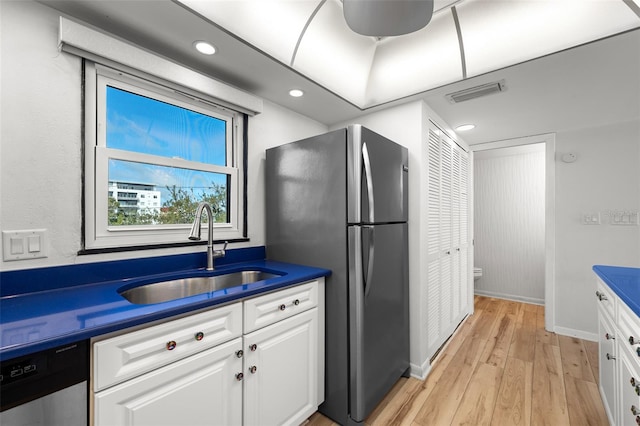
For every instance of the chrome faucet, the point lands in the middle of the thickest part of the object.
(195, 234)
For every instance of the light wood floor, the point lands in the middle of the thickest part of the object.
(500, 368)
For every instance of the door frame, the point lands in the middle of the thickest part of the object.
(549, 139)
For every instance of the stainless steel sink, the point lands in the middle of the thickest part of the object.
(184, 287)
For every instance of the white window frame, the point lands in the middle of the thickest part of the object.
(97, 233)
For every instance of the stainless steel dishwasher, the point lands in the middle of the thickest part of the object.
(47, 388)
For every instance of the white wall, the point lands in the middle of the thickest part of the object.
(604, 178)
(509, 222)
(41, 140)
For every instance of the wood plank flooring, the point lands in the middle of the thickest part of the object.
(500, 368)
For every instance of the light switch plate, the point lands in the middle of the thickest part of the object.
(591, 218)
(24, 244)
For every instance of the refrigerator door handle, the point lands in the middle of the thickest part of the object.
(369, 180)
(368, 280)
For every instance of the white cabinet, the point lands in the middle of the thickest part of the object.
(202, 370)
(197, 390)
(619, 349)
(449, 289)
(281, 371)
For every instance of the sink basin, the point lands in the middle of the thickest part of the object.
(184, 287)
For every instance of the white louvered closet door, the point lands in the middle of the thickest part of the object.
(446, 233)
(447, 238)
(465, 288)
(456, 288)
(433, 295)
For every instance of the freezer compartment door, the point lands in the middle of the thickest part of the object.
(377, 178)
(378, 313)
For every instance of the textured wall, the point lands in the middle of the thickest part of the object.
(509, 196)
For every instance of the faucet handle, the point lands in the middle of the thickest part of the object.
(225, 245)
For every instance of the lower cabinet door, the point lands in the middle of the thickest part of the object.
(280, 386)
(629, 387)
(203, 389)
(607, 366)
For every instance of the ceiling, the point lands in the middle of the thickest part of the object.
(566, 64)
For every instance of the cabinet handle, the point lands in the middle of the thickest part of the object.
(253, 347)
(283, 307)
(633, 341)
(239, 353)
(296, 302)
(634, 410)
(253, 369)
(638, 351)
(171, 345)
(610, 357)
(239, 376)
(638, 420)
(609, 336)
(199, 336)
(601, 296)
(448, 252)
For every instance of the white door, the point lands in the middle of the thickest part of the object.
(280, 368)
(199, 390)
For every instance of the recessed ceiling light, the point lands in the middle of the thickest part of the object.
(465, 127)
(204, 47)
(296, 93)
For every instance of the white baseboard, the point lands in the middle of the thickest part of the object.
(580, 334)
(513, 297)
(420, 372)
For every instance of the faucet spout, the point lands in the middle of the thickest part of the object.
(196, 231)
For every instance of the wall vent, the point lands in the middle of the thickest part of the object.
(476, 92)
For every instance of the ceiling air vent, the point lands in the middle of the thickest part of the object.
(476, 92)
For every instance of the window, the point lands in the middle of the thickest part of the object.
(146, 140)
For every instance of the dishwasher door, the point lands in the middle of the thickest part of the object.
(46, 388)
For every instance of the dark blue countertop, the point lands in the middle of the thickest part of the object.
(46, 318)
(625, 282)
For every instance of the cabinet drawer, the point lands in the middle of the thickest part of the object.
(270, 308)
(606, 299)
(126, 356)
(629, 325)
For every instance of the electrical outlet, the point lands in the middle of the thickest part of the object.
(621, 217)
(24, 244)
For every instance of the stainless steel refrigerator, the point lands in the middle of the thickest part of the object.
(339, 201)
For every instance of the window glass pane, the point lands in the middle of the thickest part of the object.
(140, 124)
(147, 194)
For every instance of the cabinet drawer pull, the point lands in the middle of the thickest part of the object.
(239, 376)
(239, 353)
(610, 357)
(609, 336)
(199, 336)
(253, 347)
(171, 345)
(633, 341)
(282, 307)
(296, 302)
(253, 369)
(601, 296)
(638, 351)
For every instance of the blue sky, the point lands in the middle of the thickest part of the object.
(144, 125)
